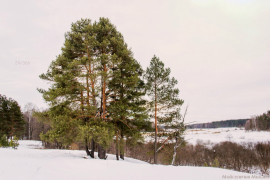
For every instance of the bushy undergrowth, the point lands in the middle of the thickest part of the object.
(241, 157)
(5, 142)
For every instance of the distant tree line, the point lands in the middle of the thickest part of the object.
(259, 123)
(33, 126)
(220, 124)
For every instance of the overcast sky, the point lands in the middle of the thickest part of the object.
(218, 50)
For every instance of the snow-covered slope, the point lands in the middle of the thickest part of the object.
(29, 162)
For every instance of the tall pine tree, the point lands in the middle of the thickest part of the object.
(127, 108)
(164, 96)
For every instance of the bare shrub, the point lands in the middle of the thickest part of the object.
(263, 154)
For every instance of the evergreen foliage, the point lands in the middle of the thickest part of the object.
(14, 142)
(259, 123)
(11, 118)
(96, 89)
(5, 142)
(164, 103)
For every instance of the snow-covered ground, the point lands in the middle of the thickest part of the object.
(31, 162)
(216, 135)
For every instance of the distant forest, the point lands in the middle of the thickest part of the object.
(220, 124)
(259, 123)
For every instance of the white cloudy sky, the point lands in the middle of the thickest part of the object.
(218, 50)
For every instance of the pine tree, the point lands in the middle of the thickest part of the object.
(127, 107)
(17, 122)
(69, 96)
(84, 86)
(11, 118)
(164, 100)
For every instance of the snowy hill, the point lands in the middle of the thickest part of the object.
(30, 162)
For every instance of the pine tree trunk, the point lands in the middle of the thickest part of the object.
(155, 153)
(88, 92)
(104, 94)
(101, 152)
(82, 109)
(92, 152)
(122, 145)
(101, 102)
(86, 148)
(116, 147)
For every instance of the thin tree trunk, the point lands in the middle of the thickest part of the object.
(82, 109)
(156, 129)
(88, 92)
(92, 81)
(29, 127)
(122, 146)
(101, 102)
(104, 94)
(100, 155)
(116, 147)
(174, 150)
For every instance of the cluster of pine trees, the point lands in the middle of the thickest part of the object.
(11, 118)
(100, 94)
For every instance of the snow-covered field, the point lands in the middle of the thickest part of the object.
(216, 135)
(31, 162)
